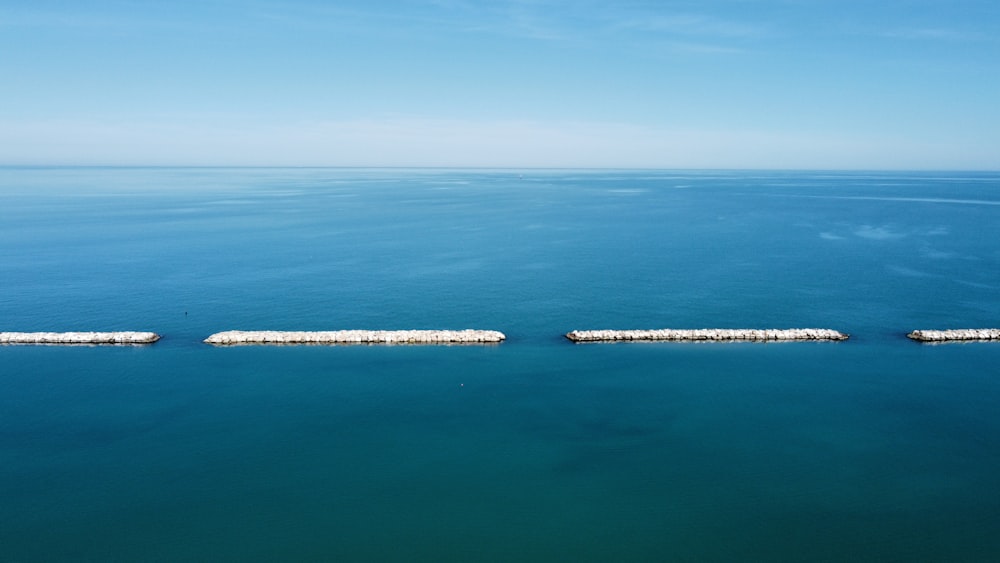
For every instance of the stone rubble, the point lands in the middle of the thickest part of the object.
(955, 335)
(122, 338)
(468, 336)
(706, 334)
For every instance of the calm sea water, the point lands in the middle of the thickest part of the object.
(875, 449)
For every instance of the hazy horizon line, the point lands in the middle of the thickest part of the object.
(486, 167)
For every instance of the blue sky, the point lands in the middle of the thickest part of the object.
(833, 84)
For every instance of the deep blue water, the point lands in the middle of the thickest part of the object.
(875, 449)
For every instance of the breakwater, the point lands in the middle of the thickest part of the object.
(119, 338)
(468, 336)
(955, 335)
(707, 334)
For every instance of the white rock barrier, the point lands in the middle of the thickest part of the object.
(119, 338)
(707, 334)
(956, 335)
(468, 336)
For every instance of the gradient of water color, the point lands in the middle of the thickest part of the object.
(537, 449)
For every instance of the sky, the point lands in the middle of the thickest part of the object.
(734, 84)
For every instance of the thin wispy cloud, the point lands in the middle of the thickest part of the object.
(310, 16)
(694, 25)
(440, 18)
(525, 24)
(935, 34)
(688, 33)
(42, 18)
(702, 48)
(124, 19)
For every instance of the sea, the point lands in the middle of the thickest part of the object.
(877, 448)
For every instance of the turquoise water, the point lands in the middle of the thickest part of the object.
(874, 449)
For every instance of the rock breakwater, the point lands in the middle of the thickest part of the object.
(955, 335)
(92, 338)
(706, 334)
(468, 336)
